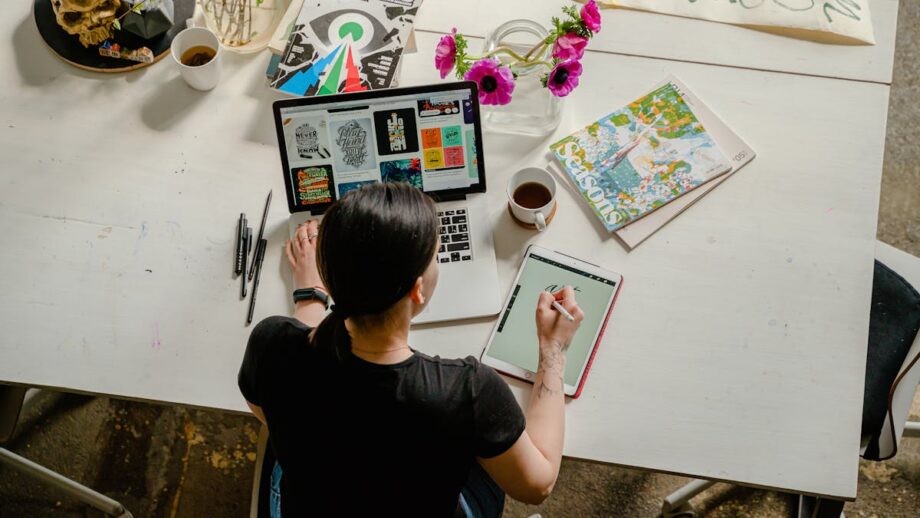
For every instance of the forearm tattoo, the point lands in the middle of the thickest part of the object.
(552, 365)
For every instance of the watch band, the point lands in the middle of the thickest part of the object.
(311, 294)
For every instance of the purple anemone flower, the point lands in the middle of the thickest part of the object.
(496, 82)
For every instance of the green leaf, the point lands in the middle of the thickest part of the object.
(137, 7)
(116, 24)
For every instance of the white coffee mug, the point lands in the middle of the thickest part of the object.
(527, 205)
(202, 77)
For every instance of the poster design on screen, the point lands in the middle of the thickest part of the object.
(437, 108)
(442, 148)
(352, 148)
(312, 184)
(311, 139)
(471, 156)
(344, 188)
(397, 131)
(407, 170)
(467, 111)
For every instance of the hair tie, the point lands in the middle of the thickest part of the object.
(338, 311)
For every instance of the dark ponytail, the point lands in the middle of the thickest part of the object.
(373, 244)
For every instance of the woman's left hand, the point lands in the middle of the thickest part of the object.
(301, 254)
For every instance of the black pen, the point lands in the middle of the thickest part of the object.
(240, 231)
(268, 201)
(247, 246)
(260, 255)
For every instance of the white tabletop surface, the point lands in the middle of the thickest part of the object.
(736, 350)
(638, 33)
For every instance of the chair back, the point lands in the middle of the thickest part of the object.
(902, 391)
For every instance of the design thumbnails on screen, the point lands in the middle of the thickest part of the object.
(397, 131)
(311, 140)
(442, 148)
(407, 170)
(313, 184)
(345, 188)
(437, 107)
(353, 151)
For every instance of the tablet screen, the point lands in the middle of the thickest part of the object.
(515, 339)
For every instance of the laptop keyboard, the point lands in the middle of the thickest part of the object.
(455, 236)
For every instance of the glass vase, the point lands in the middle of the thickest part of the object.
(243, 26)
(533, 110)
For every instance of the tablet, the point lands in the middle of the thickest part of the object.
(513, 349)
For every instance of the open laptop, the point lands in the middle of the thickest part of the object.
(429, 136)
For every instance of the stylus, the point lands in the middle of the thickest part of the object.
(252, 267)
(568, 316)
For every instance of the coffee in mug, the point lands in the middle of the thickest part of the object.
(532, 195)
(196, 51)
(197, 56)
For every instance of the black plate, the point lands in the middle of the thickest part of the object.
(69, 48)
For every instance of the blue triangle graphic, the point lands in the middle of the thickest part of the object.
(306, 79)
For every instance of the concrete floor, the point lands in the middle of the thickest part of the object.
(163, 461)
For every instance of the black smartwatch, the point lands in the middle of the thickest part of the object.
(311, 294)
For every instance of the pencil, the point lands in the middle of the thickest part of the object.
(260, 255)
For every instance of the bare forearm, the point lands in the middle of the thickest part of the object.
(310, 312)
(546, 410)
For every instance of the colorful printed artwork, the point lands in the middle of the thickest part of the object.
(407, 170)
(396, 131)
(353, 150)
(345, 46)
(640, 157)
(313, 184)
(344, 188)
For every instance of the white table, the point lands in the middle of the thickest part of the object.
(736, 351)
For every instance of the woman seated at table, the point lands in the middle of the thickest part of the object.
(361, 423)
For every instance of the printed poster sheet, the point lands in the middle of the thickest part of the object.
(831, 21)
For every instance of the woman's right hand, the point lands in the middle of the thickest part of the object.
(553, 329)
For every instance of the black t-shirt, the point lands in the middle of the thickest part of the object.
(354, 437)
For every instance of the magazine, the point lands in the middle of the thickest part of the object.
(345, 46)
(640, 157)
(728, 141)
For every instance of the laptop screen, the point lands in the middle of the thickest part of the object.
(426, 136)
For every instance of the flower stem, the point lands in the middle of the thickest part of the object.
(499, 50)
(536, 49)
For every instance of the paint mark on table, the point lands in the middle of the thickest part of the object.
(156, 336)
(772, 322)
(141, 235)
(148, 270)
(788, 259)
(104, 233)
